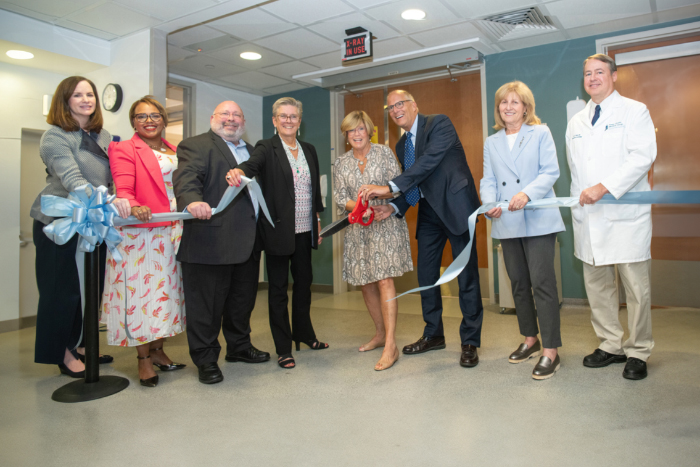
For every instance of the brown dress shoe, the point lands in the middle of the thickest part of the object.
(424, 344)
(470, 357)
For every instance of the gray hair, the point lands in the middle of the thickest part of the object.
(286, 101)
(602, 58)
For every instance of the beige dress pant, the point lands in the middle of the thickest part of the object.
(605, 306)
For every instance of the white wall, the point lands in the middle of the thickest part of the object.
(21, 91)
(208, 96)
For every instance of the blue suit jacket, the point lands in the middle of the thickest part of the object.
(440, 171)
(531, 167)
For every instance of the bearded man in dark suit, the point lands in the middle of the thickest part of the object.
(436, 176)
(220, 261)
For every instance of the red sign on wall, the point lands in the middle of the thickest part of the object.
(357, 46)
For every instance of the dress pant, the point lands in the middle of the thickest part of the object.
(530, 265)
(219, 296)
(278, 268)
(432, 235)
(605, 306)
(59, 319)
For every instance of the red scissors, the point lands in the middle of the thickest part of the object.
(355, 217)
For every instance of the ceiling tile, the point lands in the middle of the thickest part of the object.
(362, 4)
(437, 15)
(573, 13)
(56, 8)
(395, 46)
(174, 8)
(305, 12)
(287, 70)
(254, 80)
(114, 19)
(193, 36)
(85, 29)
(299, 43)
(176, 53)
(251, 24)
(329, 60)
(668, 4)
(455, 33)
(232, 55)
(334, 29)
(472, 10)
(29, 13)
(206, 66)
(286, 88)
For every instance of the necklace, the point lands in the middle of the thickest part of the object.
(289, 147)
(158, 148)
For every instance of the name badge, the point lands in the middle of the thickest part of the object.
(614, 126)
(576, 136)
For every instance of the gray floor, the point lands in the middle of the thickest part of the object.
(334, 409)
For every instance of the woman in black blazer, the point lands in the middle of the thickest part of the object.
(288, 173)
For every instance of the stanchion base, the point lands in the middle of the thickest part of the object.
(80, 391)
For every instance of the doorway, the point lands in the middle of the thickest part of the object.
(178, 99)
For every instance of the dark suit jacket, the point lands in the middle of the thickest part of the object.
(440, 171)
(228, 237)
(269, 163)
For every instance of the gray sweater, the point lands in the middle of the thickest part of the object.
(72, 158)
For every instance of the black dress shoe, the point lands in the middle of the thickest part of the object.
(470, 357)
(209, 373)
(635, 369)
(424, 344)
(102, 360)
(150, 382)
(600, 358)
(171, 367)
(249, 355)
(73, 374)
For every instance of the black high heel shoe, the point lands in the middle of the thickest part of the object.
(73, 374)
(286, 359)
(150, 382)
(168, 367)
(103, 358)
(313, 345)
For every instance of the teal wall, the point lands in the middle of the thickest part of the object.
(315, 130)
(554, 73)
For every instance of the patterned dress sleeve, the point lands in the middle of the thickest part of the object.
(341, 190)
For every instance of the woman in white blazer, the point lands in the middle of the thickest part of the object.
(520, 165)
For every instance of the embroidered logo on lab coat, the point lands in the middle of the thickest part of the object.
(577, 136)
(614, 126)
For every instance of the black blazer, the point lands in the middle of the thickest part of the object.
(229, 237)
(269, 163)
(440, 171)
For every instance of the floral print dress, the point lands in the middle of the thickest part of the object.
(143, 299)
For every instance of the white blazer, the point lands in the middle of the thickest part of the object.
(531, 167)
(617, 152)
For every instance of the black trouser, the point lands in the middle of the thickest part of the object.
(59, 316)
(432, 235)
(278, 268)
(219, 297)
(530, 265)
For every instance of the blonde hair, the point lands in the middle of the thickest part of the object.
(602, 58)
(526, 97)
(355, 119)
(286, 101)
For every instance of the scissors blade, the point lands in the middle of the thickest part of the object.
(335, 227)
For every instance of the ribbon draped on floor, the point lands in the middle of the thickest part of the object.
(94, 218)
(639, 197)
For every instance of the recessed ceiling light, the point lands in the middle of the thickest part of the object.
(413, 15)
(20, 54)
(251, 56)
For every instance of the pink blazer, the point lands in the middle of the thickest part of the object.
(137, 176)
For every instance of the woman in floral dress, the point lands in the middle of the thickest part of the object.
(143, 301)
(373, 255)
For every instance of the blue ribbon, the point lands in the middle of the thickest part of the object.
(638, 197)
(94, 219)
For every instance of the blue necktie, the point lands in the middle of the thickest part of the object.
(412, 195)
(596, 115)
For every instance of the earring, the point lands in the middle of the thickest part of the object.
(275, 130)
(299, 131)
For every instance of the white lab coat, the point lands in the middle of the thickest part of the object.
(617, 152)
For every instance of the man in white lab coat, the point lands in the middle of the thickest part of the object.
(611, 145)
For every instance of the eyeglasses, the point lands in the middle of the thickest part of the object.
(398, 105)
(358, 130)
(227, 115)
(292, 118)
(143, 118)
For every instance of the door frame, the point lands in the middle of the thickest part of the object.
(643, 37)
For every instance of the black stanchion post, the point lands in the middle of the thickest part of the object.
(94, 386)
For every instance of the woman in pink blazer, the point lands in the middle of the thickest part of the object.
(143, 301)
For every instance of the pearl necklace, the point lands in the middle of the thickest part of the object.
(158, 148)
(289, 147)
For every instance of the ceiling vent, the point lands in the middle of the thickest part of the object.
(518, 23)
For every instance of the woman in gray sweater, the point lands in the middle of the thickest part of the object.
(74, 150)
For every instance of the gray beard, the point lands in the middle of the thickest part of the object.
(236, 136)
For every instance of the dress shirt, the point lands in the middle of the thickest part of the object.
(240, 152)
(392, 186)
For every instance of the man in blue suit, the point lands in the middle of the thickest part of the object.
(437, 178)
